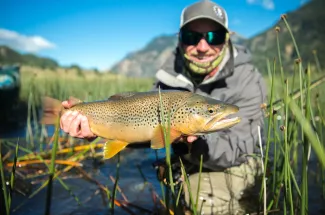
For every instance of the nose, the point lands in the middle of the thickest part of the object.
(202, 46)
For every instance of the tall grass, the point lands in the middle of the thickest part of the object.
(294, 136)
(61, 84)
(295, 126)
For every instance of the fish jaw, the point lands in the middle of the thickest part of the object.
(223, 121)
(220, 124)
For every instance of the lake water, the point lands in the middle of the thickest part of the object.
(130, 182)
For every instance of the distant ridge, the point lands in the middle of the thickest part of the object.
(10, 56)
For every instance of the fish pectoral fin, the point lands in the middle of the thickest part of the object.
(112, 147)
(174, 134)
(158, 140)
(121, 95)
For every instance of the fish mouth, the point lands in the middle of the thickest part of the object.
(223, 121)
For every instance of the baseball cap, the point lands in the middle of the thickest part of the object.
(204, 9)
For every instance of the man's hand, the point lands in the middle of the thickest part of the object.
(75, 124)
(189, 139)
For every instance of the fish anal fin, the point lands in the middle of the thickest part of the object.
(112, 147)
(121, 95)
(158, 140)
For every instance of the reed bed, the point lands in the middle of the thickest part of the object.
(293, 154)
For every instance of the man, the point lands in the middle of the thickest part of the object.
(206, 62)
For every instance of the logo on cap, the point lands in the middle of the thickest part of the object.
(218, 12)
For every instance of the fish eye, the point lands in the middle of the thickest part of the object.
(210, 110)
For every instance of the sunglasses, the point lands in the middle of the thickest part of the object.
(188, 37)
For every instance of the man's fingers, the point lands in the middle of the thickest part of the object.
(75, 126)
(191, 139)
(63, 120)
(85, 128)
(66, 122)
(66, 104)
(188, 139)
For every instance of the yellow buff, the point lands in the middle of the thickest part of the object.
(205, 67)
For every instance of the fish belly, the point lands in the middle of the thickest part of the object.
(129, 133)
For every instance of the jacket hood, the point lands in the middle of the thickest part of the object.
(243, 55)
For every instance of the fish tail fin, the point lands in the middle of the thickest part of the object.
(51, 110)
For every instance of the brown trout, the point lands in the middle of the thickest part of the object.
(135, 117)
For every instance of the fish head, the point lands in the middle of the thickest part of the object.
(200, 115)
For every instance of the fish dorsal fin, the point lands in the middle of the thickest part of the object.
(122, 95)
(111, 148)
(74, 101)
(158, 142)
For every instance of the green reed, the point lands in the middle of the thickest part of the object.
(291, 129)
(165, 124)
(7, 191)
(4, 185)
(270, 114)
(116, 182)
(199, 183)
(320, 129)
(52, 169)
(12, 175)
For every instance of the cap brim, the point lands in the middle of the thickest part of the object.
(204, 17)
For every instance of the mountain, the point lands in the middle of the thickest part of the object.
(306, 23)
(10, 56)
(146, 61)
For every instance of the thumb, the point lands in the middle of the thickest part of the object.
(191, 139)
(66, 104)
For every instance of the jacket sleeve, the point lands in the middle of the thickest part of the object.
(227, 148)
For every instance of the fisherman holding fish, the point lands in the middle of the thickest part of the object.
(206, 62)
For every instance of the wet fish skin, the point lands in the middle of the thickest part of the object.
(134, 117)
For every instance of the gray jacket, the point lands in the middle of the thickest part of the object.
(238, 83)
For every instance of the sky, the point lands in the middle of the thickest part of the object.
(99, 33)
